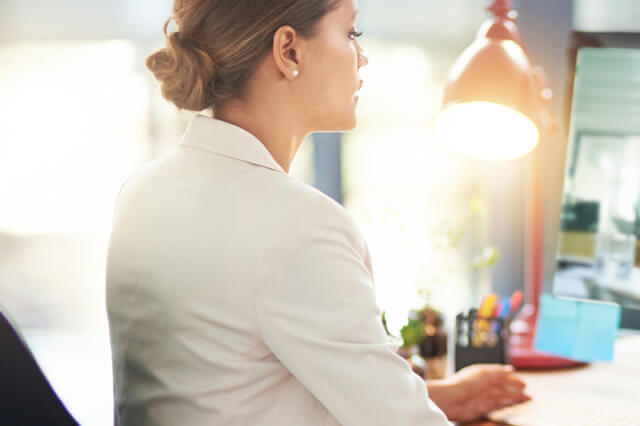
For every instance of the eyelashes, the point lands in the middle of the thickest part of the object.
(353, 34)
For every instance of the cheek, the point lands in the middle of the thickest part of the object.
(345, 69)
(350, 58)
(334, 80)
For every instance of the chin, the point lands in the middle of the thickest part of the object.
(345, 121)
(344, 126)
(352, 125)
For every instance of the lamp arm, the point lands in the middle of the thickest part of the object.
(503, 9)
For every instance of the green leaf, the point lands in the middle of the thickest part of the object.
(489, 256)
(413, 332)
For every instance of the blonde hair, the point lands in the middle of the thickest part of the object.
(218, 43)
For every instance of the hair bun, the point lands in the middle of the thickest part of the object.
(186, 73)
(220, 44)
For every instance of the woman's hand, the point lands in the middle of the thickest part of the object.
(477, 390)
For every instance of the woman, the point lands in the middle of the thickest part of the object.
(237, 295)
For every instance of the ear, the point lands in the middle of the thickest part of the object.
(286, 46)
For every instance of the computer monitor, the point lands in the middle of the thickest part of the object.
(598, 246)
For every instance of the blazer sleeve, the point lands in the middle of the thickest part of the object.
(318, 314)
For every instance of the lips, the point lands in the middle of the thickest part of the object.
(359, 87)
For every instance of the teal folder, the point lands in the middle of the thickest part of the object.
(578, 329)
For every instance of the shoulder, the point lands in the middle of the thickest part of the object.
(308, 217)
(144, 181)
(151, 171)
(307, 201)
(310, 199)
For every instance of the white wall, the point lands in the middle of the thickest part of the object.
(24, 20)
(439, 22)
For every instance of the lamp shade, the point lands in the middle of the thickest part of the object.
(494, 100)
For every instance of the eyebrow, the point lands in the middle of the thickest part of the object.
(355, 14)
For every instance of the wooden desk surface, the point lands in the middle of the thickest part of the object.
(596, 394)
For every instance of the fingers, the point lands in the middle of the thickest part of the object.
(499, 400)
(501, 392)
(505, 396)
(491, 368)
(509, 390)
(508, 402)
(511, 382)
(490, 372)
(502, 374)
(491, 387)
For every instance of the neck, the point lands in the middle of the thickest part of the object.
(272, 123)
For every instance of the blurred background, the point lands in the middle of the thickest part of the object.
(79, 112)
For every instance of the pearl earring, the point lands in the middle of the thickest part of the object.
(295, 73)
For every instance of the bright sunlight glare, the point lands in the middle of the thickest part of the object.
(486, 130)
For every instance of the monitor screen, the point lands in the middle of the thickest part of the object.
(598, 246)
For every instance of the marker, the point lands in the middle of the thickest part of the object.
(515, 301)
(485, 311)
(496, 310)
(486, 307)
(505, 307)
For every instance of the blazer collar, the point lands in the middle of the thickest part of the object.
(227, 139)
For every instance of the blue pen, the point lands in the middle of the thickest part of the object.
(504, 311)
(505, 307)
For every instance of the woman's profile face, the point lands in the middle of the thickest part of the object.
(330, 70)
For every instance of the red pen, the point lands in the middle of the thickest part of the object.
(515, 301)
(496, 310)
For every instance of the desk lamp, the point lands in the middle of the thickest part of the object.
(495, 101)
(496, 105)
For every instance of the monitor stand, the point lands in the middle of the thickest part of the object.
(522, 354)
(521, 351)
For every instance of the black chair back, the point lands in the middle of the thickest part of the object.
(26, 397)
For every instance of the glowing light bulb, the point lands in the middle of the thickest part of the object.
(486, 130)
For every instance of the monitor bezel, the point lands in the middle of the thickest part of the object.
(630, 318)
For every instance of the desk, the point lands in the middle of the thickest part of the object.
(596, 394)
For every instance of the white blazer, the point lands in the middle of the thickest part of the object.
(239, 296)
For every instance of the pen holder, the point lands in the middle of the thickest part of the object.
(480, 340)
